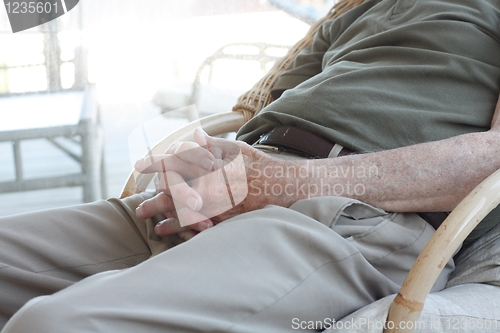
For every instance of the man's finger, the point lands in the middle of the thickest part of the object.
(200, 137)
(171, 162)
(169, 226)
(159, 163)
(182, 194)
(188, 217)
(220, 148)
(172, 226)
(188, 234)
(194, 153)
(158, 204)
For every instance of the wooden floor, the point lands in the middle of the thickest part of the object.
(41, 159)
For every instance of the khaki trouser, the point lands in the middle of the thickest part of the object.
(97, 268)
(322, 258)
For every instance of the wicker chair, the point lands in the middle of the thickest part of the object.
(409, 302)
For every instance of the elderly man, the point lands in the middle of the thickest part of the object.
(381, 126)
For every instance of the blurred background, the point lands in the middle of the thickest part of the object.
(142, 60)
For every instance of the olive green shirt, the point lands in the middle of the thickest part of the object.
(393, 73)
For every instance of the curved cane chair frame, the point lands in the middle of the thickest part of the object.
(409, 302)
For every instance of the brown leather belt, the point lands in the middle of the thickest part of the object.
(434, 218)
(308, 144)
(300, 142)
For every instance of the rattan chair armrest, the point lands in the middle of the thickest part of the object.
(409, 302)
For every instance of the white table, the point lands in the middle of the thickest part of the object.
(73, 115)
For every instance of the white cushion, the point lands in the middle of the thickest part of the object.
(472, 308)
(470, 303)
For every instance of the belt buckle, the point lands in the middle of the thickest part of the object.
(266, 147)
(257, 144)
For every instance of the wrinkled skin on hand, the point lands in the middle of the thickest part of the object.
(205, 182)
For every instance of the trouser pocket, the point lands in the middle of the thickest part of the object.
(391, 242)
